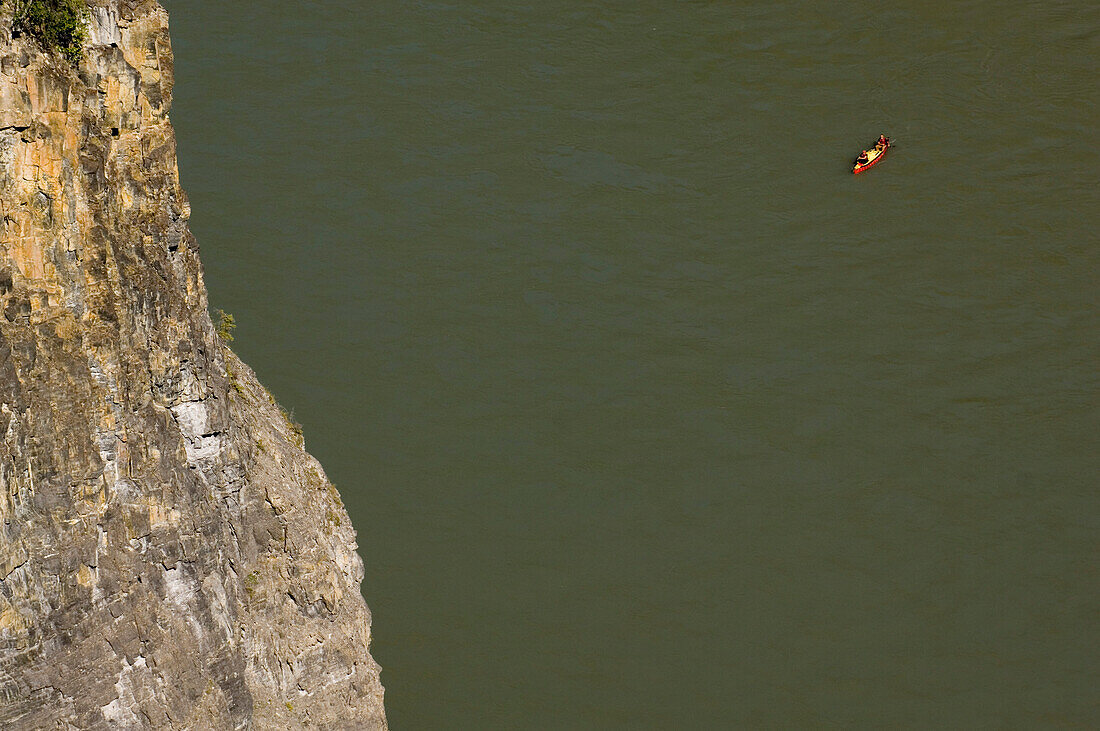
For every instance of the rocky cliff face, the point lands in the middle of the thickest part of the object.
(170, 556)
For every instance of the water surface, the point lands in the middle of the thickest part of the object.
(648, 413)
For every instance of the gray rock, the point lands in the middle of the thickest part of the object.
(170, 555)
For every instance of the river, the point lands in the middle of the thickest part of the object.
(649, 414)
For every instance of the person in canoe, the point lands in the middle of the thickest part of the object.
(867, 158)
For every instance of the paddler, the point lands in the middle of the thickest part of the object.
(882, 142)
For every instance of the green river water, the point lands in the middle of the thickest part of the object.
(649, 414)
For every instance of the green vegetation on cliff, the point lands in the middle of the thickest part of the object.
(225, 325)
(59, 25)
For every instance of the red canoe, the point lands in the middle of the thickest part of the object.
(873, 156)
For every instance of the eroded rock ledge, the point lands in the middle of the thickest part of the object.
(170, 556)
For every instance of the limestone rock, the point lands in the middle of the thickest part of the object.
(170, 556)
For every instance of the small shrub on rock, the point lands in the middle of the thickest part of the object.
(224, 328)
(60, 25)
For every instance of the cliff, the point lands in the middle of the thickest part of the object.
(170, 556)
